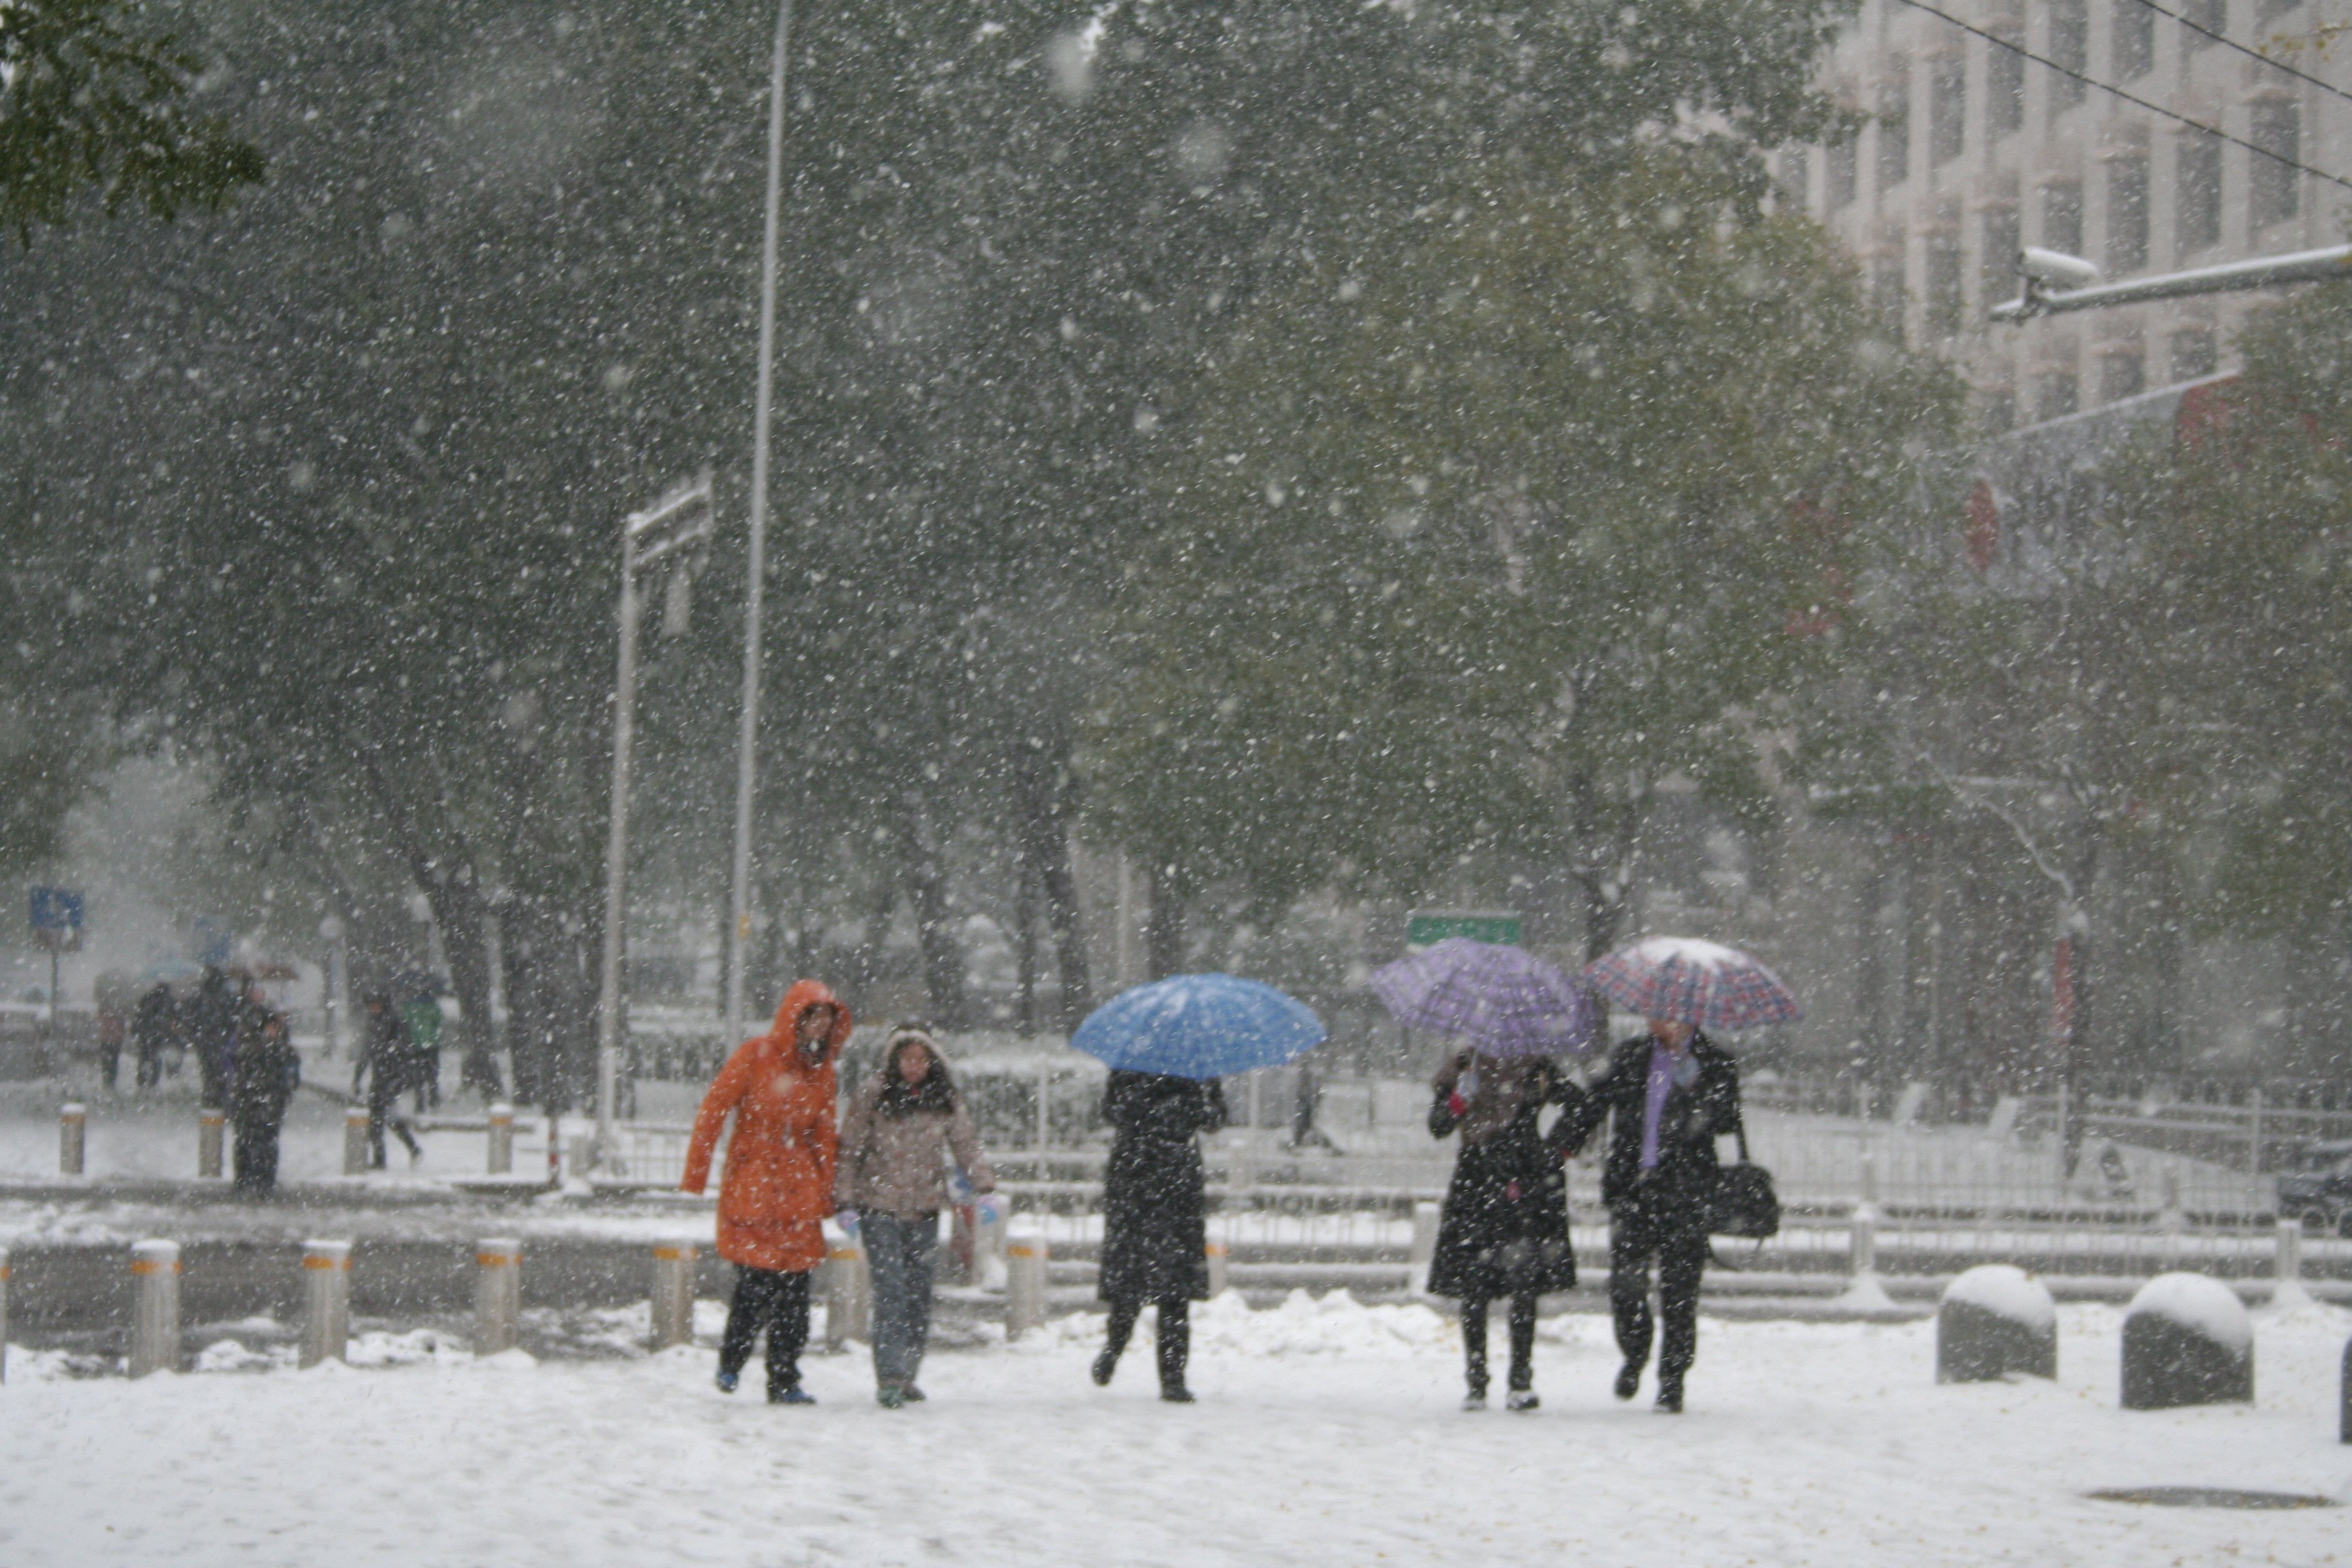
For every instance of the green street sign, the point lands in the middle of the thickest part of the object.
(1422, 928)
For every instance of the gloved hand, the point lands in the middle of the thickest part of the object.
(847, 1220)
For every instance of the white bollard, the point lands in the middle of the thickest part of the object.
(1025, 1255)
(848, 1298)
(212, 1138)
(498, 1294)
(2287, 1275)
(4, 1314)
(326, 1300)
(1424, 1245)
(73, 1123)
(155, 1318)
(501, 1140)
(1216, 1251)
(355, 1141)
(673, 1303)
(1862, 1253)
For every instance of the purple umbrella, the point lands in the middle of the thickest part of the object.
(1701, 983)
(1506, 1001)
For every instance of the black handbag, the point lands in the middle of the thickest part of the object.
(1744, 1203)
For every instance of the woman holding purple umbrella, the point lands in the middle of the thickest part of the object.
(1504, 1231)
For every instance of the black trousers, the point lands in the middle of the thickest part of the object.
(1175, 1335)
(775, 1299)
(1523, 1341)
(151, 1066)
(257, 1156)
(1674, 1239)
(383, 1106)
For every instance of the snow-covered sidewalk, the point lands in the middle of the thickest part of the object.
(1327, 1433)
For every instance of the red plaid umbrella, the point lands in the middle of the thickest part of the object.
(1701, 983)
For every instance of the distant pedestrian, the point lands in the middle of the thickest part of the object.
(1155, 1227)
(1667, 1096)
(389, 1066)
(421, 1013)
(211, 1035)
(778, 1190)
(113, 1032)
(153, 1026)
(268, 1070)
(892, 1185)
(1504, 1231)
(1306, 1101)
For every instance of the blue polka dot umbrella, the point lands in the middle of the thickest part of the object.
(1702, 983)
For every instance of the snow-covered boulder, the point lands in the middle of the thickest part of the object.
(2186, 1341)
(1995, 1321)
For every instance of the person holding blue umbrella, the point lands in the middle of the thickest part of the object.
(1166, 1044)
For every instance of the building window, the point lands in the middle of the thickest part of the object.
(2127, 215)
(2004, 90)
(1948, 108)
(1839, 177)
(2272, 185)
(2061, 218)
(2055, 396)
(1894, 133)
(2070, 46)
(2122, 375)
(1796, 176)
(1947, 303)
(2197, 192)
(2193, 353)
(2133, 36)
(2213, 15)
(1886, 292)
(1998, 265)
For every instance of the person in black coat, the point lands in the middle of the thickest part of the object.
(1505, 1227)
(211, 1018)
(1667, 1096)
(267, 1072)
(390, 1064)
(152, 1027)
(1155, 1229)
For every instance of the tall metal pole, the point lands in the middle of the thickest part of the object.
(616, 855)
(747, 764)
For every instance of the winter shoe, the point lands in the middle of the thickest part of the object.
(1474, 1402)
(1176, 1394)
(1669, 1397)
(1104, 1364)
(914, 1395)
(890, 1397)
(728, 1379)
(1628, 1380)
(1522, 1399)
(795, 1394)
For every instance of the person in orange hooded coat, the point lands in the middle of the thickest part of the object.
(778, 1190)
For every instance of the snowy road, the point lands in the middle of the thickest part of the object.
(1327, 1434)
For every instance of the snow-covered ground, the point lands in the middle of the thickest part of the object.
(1327, 1433)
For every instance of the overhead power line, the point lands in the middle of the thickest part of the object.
(2229, 43)
(2086, 81)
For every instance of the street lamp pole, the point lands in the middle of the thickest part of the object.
(680, 518)
(746, 766)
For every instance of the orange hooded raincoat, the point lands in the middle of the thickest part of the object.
(778, 1190)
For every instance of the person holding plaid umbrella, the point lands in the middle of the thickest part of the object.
(1667, 1095)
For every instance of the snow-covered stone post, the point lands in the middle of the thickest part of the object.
(355, 1141)
(501, 1140)
(212, 1138)
(1424, 1246)
(498, 1294)
(73, 1124)
(1025, 1255)
(155, 1315)
(326, 1300)
(2343, 1389)
(1216, 1251)
(673, 1305)
(1995, 1320)
(4, 1324)
(2186, 1341)
(849, 1303)
(2286, 1275)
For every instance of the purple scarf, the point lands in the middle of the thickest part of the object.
(1663, 1075)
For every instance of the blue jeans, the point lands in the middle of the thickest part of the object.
(899, 1257)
